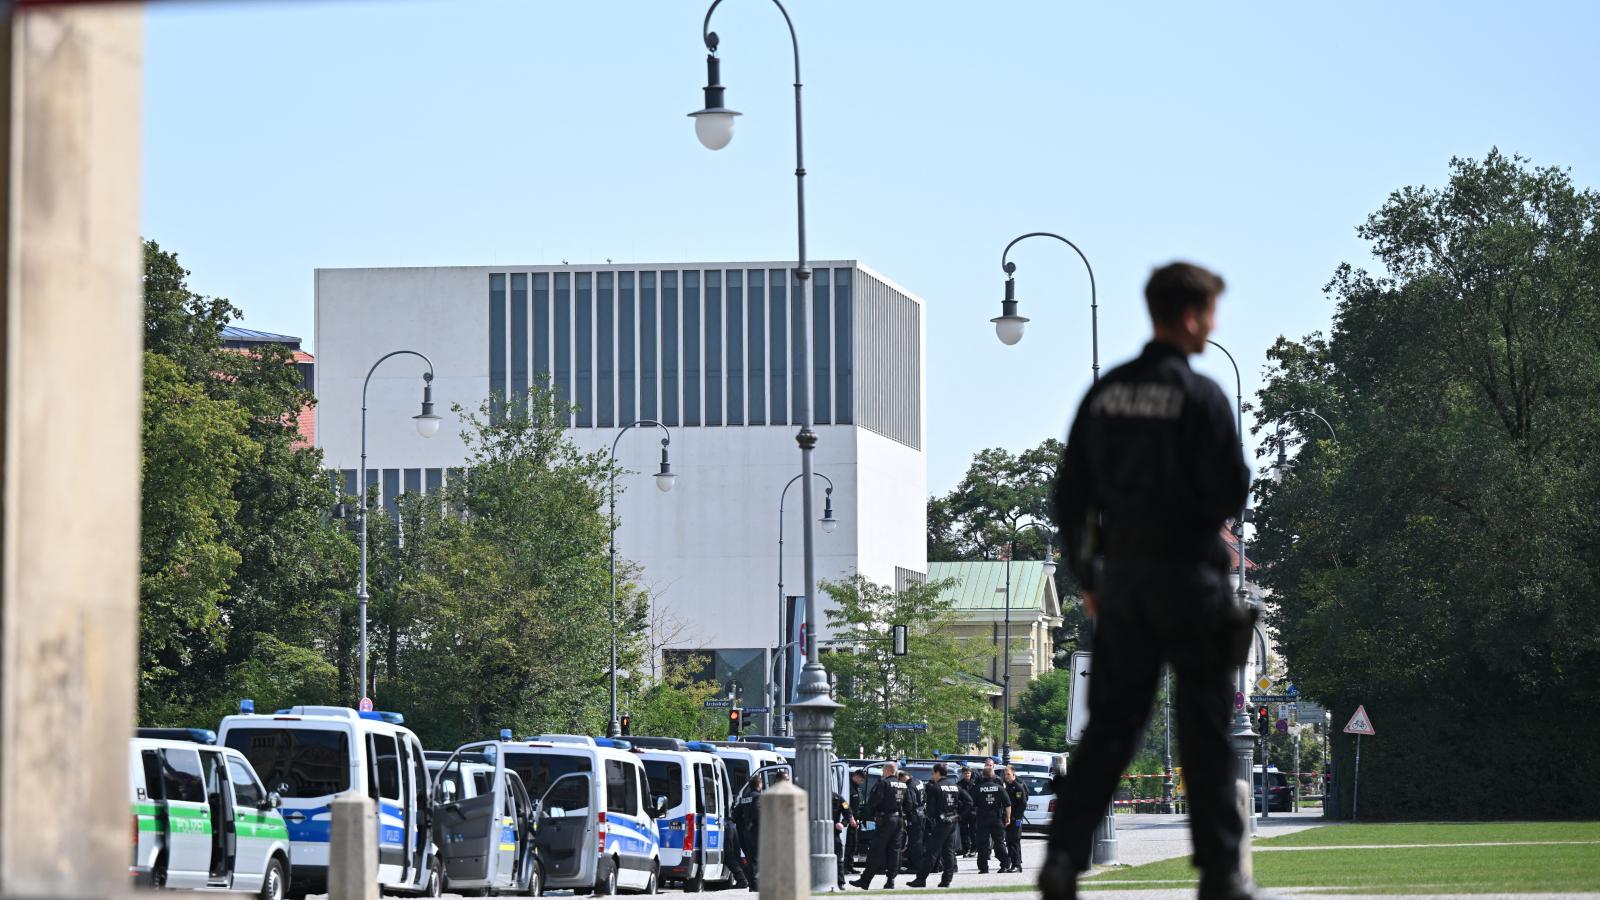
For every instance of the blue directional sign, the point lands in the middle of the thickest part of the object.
(905, 726)
(719, 704)
(756, 709)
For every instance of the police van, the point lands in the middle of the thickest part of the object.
(699, 799)
(310, 754)
(483, 821)
(743, 758)
(597, 824)
(201, 818)
(1038, 762)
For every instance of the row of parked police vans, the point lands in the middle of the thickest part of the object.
(248, 807)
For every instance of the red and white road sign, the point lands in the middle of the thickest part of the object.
(1360, 724)
(366, 704)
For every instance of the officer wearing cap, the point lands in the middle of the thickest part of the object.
(1151, 471)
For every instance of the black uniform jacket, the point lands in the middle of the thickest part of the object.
(1019, 800)
(1152, 467)
(946, 800)
(889, 800)
(989, 796)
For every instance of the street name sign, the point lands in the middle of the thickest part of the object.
(1078, 710)
(1360, 723)
(905, 726)
(757, 709)
(719, 704)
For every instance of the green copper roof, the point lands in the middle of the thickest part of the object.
(980, 585)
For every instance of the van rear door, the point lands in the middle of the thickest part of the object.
(568, 830)
(188, 818)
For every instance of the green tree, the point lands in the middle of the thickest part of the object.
(1041, 713)
(1438, 564)
(674, 706)
(194, 448)
(928, 683)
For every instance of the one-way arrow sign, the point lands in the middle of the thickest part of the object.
(1360, 723)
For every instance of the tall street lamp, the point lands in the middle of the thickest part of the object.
(1280, 468)
(1005, 655)
(781, 681)
(1009, 324)
(664, 482)
(815, 711)
(427, 426)
(1244, 734)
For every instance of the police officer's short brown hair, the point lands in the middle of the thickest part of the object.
(1178, 286)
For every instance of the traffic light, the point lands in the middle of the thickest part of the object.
(1061, 646)
(1263, 721)
(627, 724)
(735, 721)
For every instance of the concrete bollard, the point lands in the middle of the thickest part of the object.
(353, 849)
(1246, 866)
(785, 872)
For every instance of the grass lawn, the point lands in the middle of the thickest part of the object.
(1455, 865)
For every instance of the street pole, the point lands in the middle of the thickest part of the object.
(1166, 768)
(775, 718)
(664, 480)
(1244, 735)
(1005, 654)
(1008, 327)
(427, 426)
(814, 713)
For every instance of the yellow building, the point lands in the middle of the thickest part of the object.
(981, 611)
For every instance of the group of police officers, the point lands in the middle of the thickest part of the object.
(927, 825)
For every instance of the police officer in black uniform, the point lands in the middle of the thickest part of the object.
(888, 806)
(842, 820)
(993, 815)
(969, 814)
(946, 801)
(1018, 795)
(916, 824)
(747, 818)
(853, 836)
(1152, 469)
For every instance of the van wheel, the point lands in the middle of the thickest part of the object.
(158, 873)
(606, 886)
(653, 885)
(272, 883)
(435, 885)
(536, 882)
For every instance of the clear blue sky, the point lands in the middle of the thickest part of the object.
(283, 137)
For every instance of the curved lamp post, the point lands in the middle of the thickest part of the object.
(829, 525)
(427, 426)
(815, 711)
(664, 481)
(1008, 326)
(1005, 655)
(1244, 734)
(1281, 465)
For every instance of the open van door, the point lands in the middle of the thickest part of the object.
(568, 829)
(466, 826)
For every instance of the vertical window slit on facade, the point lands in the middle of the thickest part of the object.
(563, 345)
(670, 368)
(733, 318)
(605, 346)
(692, 362)
(518, 395)
(583, 384)
(498, 385)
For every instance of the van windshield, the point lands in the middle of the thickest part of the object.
(539, 770)
(296, 762)
(666, 780)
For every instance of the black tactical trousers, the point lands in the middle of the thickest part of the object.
(969, 833)
(885, 856)
(940, 853)
(1150, 612)
(916, 827)
(991, 832)
(1014, 842)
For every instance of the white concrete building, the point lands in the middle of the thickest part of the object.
(713, 351)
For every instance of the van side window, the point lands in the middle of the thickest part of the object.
(384, 767)
(570, 794)
(180, 776)
(211, 762)
(247, 794)
(666, 780)
(622, 787)
(152, 774)
(708, 788)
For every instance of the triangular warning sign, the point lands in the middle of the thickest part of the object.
(1359, 723)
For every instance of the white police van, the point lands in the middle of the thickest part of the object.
(483, 822)
(694, 782)
(596, 822)
(309, 754)
(201, 819)
(743, 758)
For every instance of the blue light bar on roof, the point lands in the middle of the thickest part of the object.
(247, 707)
(505, 734)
